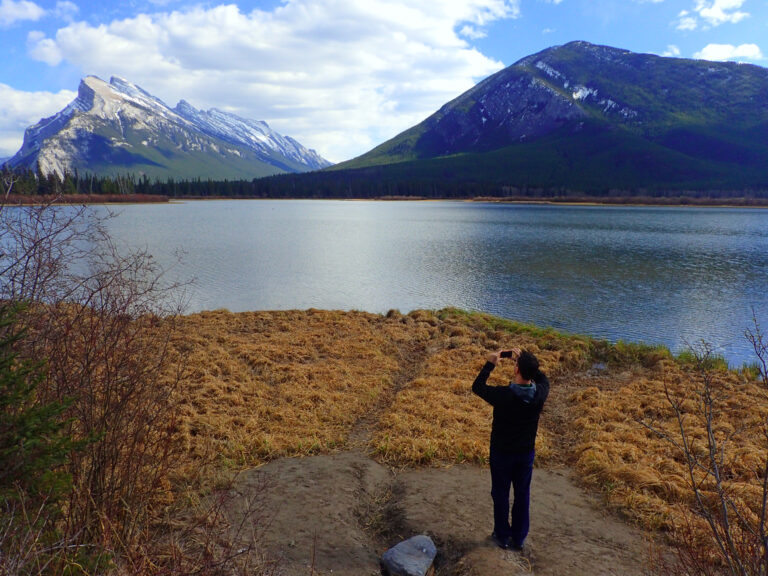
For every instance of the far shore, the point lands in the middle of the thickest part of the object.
(677, 201)
(59, 199)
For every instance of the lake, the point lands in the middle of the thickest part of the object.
(667, 275)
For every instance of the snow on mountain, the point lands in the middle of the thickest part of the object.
(117, 125)
(252, 133)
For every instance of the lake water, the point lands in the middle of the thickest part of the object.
(673, 276)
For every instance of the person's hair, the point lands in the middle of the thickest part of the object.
(528, 365)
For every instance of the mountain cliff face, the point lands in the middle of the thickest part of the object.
(116, 128)
(582, 113)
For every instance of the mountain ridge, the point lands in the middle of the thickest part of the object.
(119, 127)
(696, 122)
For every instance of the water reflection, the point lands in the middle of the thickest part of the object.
(663, 275)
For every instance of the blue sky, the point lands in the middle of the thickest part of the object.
(340, 76)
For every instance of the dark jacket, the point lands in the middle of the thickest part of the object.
(516, 410)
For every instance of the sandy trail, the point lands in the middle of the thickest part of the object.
(336, 514)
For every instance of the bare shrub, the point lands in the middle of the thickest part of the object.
(26, 546)
(101, 321)
(218, 535)
(723, 531)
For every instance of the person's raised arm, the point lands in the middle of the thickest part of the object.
(480, 386)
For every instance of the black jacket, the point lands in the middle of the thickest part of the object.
(516, 410)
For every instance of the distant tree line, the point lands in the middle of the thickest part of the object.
(362, 183)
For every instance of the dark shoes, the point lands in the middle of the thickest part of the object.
(500, 542)
(506, 543)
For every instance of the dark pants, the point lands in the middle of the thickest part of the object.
(513, 470)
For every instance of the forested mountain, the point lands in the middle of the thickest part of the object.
(593, 118)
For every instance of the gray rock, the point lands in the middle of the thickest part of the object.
(412, 557)
(597, 369)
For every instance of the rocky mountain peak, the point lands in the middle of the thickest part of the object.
(118, 126)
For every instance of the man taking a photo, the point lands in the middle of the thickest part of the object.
(516, 410)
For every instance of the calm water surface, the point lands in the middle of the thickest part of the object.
(672, 276)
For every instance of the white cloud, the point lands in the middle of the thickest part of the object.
(338, 75)
(722, 52)
(23, 109)
(65, 10)
(686, 21)
(43, 49)
(672, 51)
(716, 12)
(12, 11)
(472, 32)
(712, 13)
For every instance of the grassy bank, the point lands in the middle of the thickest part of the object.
(171, 410)
(263, 385)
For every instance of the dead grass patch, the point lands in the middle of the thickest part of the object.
(640, 472)
(261, 385)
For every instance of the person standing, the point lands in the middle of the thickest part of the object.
(516, 410)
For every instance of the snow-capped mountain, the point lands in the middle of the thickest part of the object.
(253, 133)
(117, 128)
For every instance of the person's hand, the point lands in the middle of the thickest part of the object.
(493, 357)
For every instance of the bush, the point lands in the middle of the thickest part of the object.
(34, 444)
(93, 426)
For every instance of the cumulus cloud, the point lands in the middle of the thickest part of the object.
(12, 11)
(338, 75)
(712, 13)
(716, 12)
(472, 32)
(66, 10)
(722, 52)
(686, 21)
(43, 49)
(22, 109)
(672, 51)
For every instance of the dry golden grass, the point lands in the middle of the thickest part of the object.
(436, 418)
(262, 385)
(642, 473)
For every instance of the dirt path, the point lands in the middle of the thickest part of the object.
(412, 358)
(336, 514)
(339, 513)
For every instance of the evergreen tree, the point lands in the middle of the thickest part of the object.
(34, 444)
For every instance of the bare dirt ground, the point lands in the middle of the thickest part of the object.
(337, 514)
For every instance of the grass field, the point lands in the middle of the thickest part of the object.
(263, 385)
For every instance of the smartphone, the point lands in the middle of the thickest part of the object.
(506, 353)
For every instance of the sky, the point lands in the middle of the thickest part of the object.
(340, 76)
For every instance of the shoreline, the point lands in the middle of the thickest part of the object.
(629, 201)
(68, 199)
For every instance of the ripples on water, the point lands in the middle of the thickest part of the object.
(672, 276)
